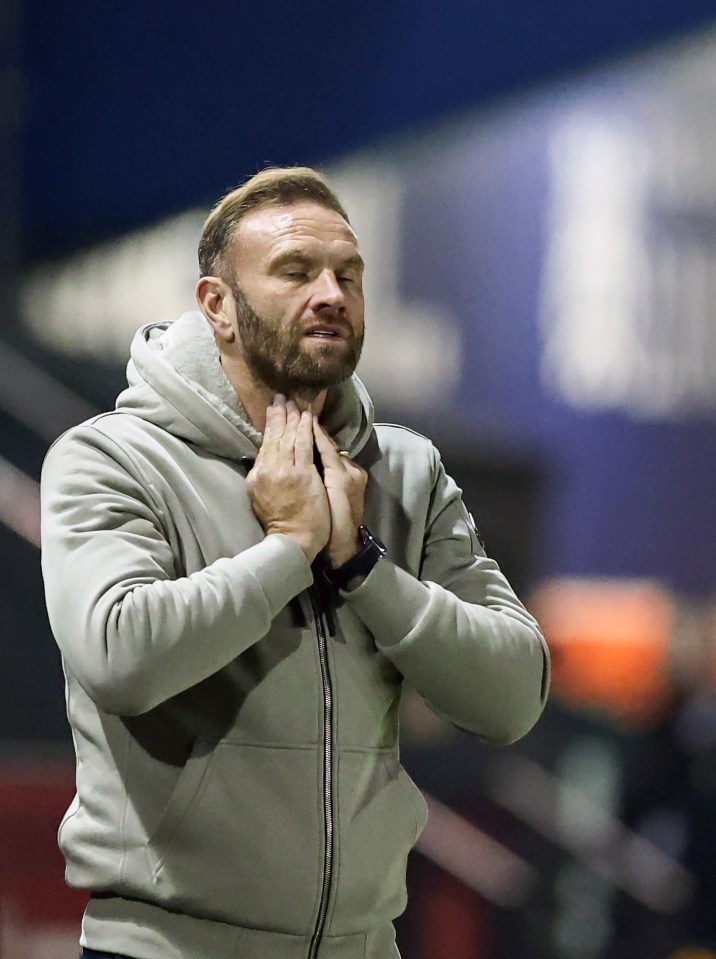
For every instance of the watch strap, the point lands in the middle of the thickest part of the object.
(359, 565)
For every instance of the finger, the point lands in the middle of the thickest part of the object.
(303, 450)
(288, 439)
(355, 469)
(275, 426)
(327, 435)
(326, 447)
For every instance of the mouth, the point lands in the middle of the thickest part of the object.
(326, 333)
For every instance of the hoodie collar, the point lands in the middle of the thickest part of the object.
(177, 382)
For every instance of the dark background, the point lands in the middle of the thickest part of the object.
(125, 112)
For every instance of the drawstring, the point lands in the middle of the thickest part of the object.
(298, 613)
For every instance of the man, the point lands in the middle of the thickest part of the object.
(235, 634)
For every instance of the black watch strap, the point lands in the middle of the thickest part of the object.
(359, 565)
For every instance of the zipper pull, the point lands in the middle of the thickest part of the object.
(298, 614)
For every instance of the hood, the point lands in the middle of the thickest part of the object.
(177, 382)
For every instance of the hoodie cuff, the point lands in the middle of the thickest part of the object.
(390, 602)
(280, 567)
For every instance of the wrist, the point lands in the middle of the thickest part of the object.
(354, 570)
(354, 584)
(338, 555)
(304, 542)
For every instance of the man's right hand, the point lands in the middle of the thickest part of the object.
(286, 491)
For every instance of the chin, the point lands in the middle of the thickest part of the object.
(325, 371)
(315, 380)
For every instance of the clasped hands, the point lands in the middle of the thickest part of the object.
(288, 495)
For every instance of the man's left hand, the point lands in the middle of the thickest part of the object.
(345, 484)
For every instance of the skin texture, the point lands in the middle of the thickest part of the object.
(293, 271)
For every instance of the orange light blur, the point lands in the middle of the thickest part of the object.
(609, 640)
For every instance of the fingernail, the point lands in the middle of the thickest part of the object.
(279, 399)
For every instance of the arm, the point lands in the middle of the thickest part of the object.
(131, 631)
(458, 634)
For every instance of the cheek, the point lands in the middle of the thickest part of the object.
(284, 302)
(357, 306)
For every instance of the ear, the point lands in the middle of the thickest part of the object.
(217, 304)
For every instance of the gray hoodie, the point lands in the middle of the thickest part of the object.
(239, 792)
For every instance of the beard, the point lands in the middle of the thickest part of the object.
(277, 355)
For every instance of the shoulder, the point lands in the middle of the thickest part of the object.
(399, 432)
(397, 440)
(104, 438)
(403, 450)
(113, 428)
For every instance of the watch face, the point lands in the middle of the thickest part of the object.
(368, 537)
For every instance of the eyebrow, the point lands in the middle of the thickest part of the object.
(355, 259)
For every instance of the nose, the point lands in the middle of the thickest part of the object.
(328, 291)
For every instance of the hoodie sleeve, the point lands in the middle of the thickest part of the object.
(458, 634)
(133, 633)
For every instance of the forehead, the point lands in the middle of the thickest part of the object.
(272, 230)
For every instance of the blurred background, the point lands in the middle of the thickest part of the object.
(534, 189)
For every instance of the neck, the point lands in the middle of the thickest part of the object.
(255, 396)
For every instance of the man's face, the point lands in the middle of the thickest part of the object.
(299, 296)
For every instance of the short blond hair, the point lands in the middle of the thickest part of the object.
(274, 186)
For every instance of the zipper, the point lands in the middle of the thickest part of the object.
(318, 611)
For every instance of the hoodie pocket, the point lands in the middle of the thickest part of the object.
(239, 839)
(381, 813)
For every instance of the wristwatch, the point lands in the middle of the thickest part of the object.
(361, 564)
